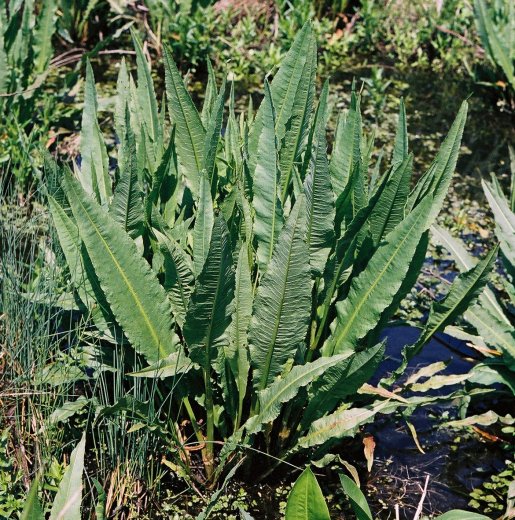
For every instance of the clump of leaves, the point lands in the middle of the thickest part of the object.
(251, 273)
(492, 317)
(495, 26)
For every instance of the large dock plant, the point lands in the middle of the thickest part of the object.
(248, 270)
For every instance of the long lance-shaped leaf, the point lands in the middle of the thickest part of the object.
(284, 88)
(464, 290)
(268, 219)
(203, 224)
(209, 311)
(504, 222)
(407, 284)
(237, 351)
(94, 173)
(190, 133)
(498, 51)
(487, 316)
(347, 147)
(213, 133)
(438, 177)
(345, 423)
(127, 205)
(340, 424)
(4, 67)
(67, 501)
(283, 302)
(306, 500)
(512, 184)
(32, 509)
(400, 149)
(319, 196)
(121, 102)
(284, 390)
(82, 274)
(209, 314)
(390, 207)
(357, 499)
(339, 381)
(146, 96)
(179, 278)
(371, 292)
(210, 95)
(137, 300)
(464, 262)
(43, 35)
(297, 129)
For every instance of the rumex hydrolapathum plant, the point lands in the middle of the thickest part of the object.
(253, 273)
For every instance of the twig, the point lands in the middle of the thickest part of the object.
(464, 39)
(418, 512)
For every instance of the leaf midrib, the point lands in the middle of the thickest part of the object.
(271, 348)
(140, 307)
(362, 301)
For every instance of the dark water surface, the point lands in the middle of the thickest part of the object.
(455, 467)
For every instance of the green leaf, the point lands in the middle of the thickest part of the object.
(127, 205)
(268, 219)
(190, 133)
(203, 226)
(287, 86)
(176, 363)
(400, 149)
(437, 179)
(138, 302)
(283, 302)
(179, 278)
(147, 101)
(306, 501)
(339, 381)
(372, 291)
(209, 311)
(292, 139)
(464, 290)
(498, 49)
(390, 207)
(83, 277)
(459, 514)
(67, 501)
(93, 174)
(347, 147)
(465, 261)
(285, 389)
(237, 350)
(342, 423)
(122, 100)
(210, 95)
(357, 498)
(43, 34)
(213, 133)
(504, 222)
(101, 500)
(32, 509)
(319, 195)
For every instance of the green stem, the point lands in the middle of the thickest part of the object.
(193, 419)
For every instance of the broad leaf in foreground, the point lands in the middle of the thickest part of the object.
(306, 500)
